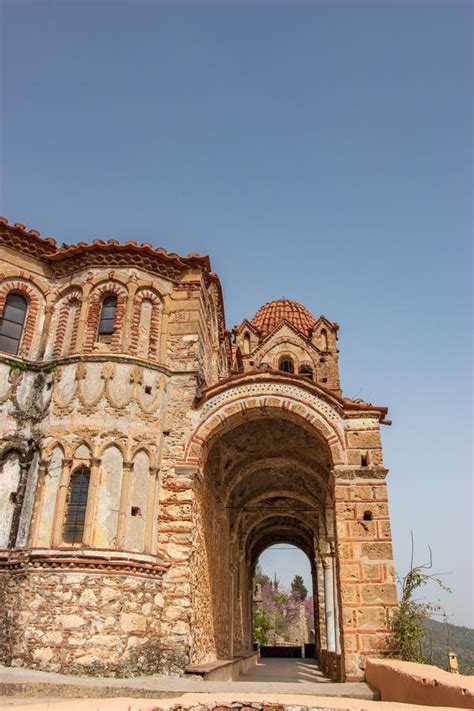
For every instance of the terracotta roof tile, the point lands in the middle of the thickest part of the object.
(274, 312)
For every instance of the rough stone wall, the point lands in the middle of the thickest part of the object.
(210, 570)
(84, 623)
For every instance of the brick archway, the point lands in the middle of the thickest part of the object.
(242, 402)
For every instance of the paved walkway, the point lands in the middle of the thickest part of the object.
(285, 671)
(15, 681)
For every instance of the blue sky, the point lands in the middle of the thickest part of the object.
(316, 150)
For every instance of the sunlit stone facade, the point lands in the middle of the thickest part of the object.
(149, 455)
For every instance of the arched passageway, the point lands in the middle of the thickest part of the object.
(265, 480)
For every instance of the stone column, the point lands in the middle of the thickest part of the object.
(329, 604)
(82, 325)
(38, 505)
(61, 503)
(46, 330)
(123, 504)
(232, 571)
(321, 604)
(88, 535)
(151, 507)
(336, 604)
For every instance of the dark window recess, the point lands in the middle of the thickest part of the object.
(367, 515)
(324, 380)
(13, 497)
(12, 322)
(286, 365)
(148, 389)
(76, 506)
(364, 460)
(307, 371)
(107, 318)
(136, 511)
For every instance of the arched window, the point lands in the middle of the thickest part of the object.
(12, 322)
(247, 344)
(307, 371)
(286, 365)
(107, 319)
(76, 505)
(324, 339)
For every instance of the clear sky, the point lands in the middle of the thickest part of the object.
(316, 150)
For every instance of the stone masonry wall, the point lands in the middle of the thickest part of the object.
(366, 573)
(84, 623)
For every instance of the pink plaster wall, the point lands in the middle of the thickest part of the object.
(412, 683)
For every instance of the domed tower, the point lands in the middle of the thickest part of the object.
(285, 336)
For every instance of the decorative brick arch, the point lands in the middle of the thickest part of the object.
(242, 403)
(93, 316)
(34, 297)
(146, 294)
(65, 302)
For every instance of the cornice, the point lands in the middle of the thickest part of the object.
(345, 407)
(21, 561)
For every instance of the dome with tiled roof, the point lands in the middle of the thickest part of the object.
(274, 312)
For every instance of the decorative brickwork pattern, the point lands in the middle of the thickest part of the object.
(93, 316)
(68, 323)
(150, 337)
(27, 290)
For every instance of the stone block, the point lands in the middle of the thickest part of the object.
(360, 530)
(382, 593)
(71, 621)
(132, 622)
(364, 439)
(43, 655)
(350, 572)
(377, 551)
(371, 618)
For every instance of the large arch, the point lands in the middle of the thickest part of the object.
(265, 464)
(249, 396)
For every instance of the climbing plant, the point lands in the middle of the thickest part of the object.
(407, 623)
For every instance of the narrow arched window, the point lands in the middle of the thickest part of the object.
(324, 339)
(286, 365)
(12, 322)
(107, 319)
(307, 371)
(247, 344)
(76, 505)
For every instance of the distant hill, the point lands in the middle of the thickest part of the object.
(461, 641)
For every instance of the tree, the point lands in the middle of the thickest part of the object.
(260, 578)
(408, 620)
(299, 588)
(261, 625)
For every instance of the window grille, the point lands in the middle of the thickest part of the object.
(76, 506)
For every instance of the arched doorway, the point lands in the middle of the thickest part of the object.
(265, 479)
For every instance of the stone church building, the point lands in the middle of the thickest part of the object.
(149, 455)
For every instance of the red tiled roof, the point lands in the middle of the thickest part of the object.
(274, 312)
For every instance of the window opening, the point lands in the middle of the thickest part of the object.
(286, 365)
(76, 506)
(12, 322)
(107, 319)
(307, 371)
(367, 515)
